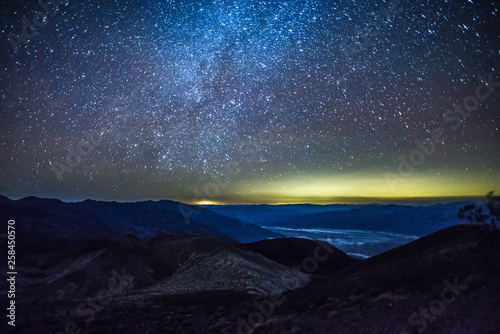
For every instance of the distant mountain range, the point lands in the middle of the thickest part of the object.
(407, 219)
(53, 224)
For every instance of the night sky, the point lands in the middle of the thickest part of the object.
(250, 101)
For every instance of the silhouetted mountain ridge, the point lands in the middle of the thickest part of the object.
(51, 225)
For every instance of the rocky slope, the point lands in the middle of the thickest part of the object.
(447, 282)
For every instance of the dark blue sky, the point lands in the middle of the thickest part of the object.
(250, 101)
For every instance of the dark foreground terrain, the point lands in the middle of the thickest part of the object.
(166, 281)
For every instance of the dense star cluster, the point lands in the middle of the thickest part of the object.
(307, 100)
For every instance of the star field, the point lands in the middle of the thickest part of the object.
(312, 101)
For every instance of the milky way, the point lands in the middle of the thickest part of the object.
(308, 100)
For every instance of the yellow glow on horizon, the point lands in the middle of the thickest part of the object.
(363, 187)
(207, 203)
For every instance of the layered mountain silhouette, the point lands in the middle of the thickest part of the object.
(102, 267)
(409, 219)
(50, 224)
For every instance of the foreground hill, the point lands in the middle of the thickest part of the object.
(142, 274)
(447, 282)
(164, 265)
(294, 251)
